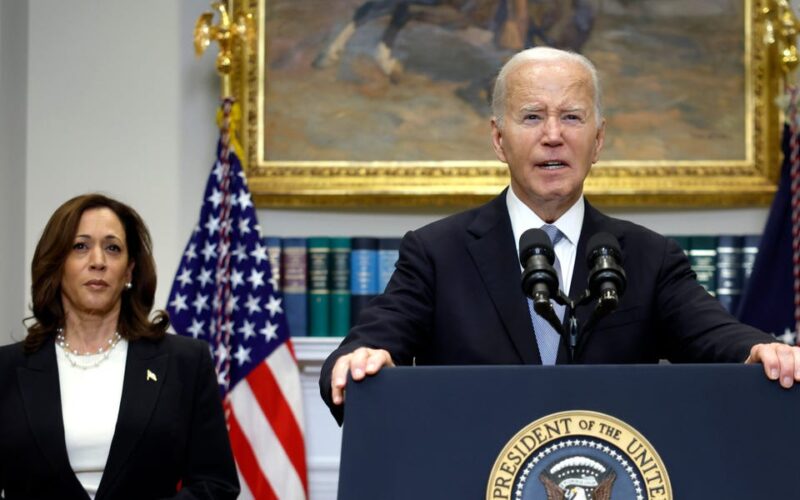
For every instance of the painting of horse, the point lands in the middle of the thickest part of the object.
(410, 80)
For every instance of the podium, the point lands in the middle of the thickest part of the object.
(602, 431)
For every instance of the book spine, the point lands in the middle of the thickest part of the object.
(319, 286)
(703, 257)
(363, 274)
(273, 244)
(729, 271)
(294, 278)
(388, 252)
(749, 252)
(340, 286)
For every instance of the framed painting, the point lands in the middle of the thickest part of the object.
(386, 103)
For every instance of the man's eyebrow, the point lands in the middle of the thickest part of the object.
(573, 109)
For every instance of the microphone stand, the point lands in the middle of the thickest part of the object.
(569, 336)
(572, 335)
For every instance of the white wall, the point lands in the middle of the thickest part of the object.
(13, 67)
(104, 112)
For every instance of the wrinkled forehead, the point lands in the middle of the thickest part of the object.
(554, 80)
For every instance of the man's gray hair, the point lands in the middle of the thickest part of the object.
(542, 54)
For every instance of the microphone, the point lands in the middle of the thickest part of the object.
(607, 279)
(539, 278)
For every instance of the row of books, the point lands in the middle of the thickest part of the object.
(326, 281)
(722, 263)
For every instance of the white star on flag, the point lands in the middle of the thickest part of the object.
(200, 302)
(260, 253)
(247, 329)
(274, 306)
(242, 355)
(190, 252)
(212, 225)
(237, 278)
(240, 253)
(244, 200)
(253, 306)
(256, 278)
(244, 226)
(269, 331)
(179, 302)
(205, 277)
(218, 171)
(185, 277)
(215, 198)
(222, 352)
(209, 251)
(197, 328)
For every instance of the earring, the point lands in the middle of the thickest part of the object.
(129, 285)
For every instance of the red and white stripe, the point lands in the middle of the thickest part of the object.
(265, 421)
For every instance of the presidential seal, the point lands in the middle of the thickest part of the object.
(578, 455)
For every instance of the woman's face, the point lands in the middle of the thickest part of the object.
(97, 267)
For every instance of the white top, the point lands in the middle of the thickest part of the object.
(570, 224)
(89, 405)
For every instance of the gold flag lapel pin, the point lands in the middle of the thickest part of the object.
(151, 376)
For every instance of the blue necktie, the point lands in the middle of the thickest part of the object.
(547, 338)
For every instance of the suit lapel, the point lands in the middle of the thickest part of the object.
(39, 385)
(145, 374)
(494, 254)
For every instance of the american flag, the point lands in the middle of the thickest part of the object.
(225, 294)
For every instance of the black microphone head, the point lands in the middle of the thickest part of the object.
(602, 244)
(535, 241)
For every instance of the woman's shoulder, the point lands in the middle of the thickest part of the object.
(12, 356)
(11, 352)
(179, 345)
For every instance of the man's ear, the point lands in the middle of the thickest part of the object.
(599, 140)
(497, 140)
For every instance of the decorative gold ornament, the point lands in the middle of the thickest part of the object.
(781, 27)
(227, 34)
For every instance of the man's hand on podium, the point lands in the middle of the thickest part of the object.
(361, 362)
(781, 362)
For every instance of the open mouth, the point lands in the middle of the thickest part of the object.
(551, 165)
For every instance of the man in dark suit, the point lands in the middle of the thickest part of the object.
(455, 296)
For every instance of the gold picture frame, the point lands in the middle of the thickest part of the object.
(748, 180)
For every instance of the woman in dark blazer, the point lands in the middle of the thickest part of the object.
(99, 401)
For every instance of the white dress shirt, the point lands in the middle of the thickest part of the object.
(570, 224)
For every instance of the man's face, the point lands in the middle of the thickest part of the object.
(550, 136)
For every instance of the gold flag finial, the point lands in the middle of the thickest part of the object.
(781, 28)
(226, 33)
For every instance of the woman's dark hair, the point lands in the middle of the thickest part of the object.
(47, 268)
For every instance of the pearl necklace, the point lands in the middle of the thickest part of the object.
(101, 354)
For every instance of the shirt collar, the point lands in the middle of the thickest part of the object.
(523, 218)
